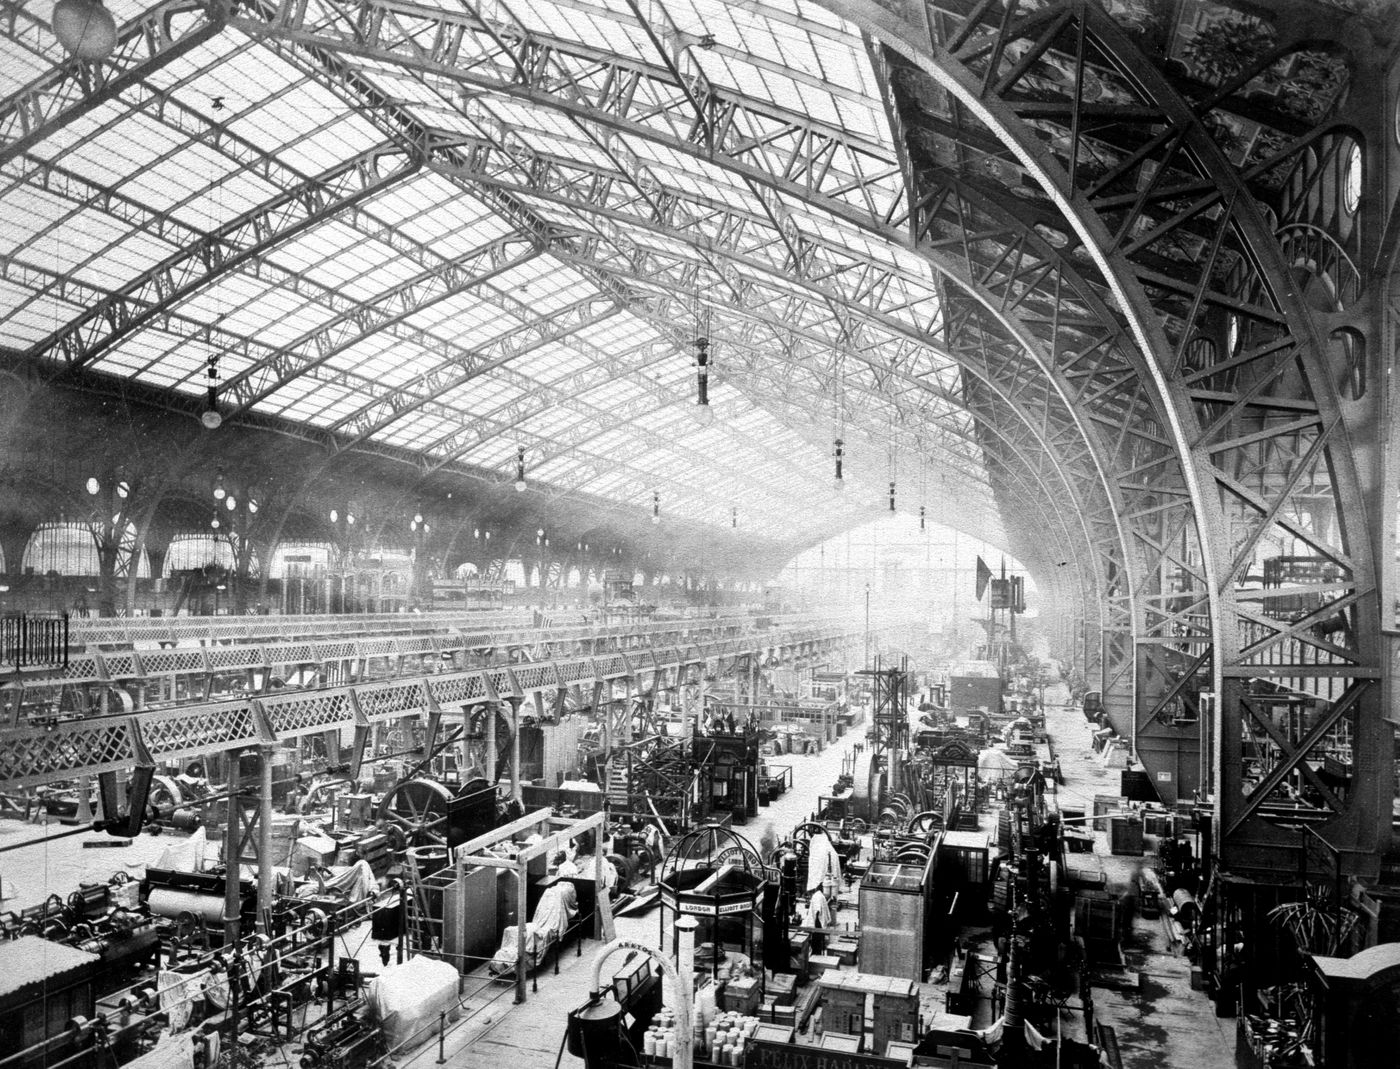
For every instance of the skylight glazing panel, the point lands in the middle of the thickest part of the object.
(479, 394)
(226, 67)
(320, 244)
(526, 116)
(36, 321)
(378, 270)
(550, 424)
(548, 362)
(316, 154)
(275, 318)
(301, 398)
(625, 328)
(495, 452)
(470, 334)
(136, 253)
(577, 26)
(412, 431)
(29, 212)
(451, 238)
(18, 68)
(424, 193)
(136, 144)
(442, 317)
(148, 347)
(575, 151)
(81, 131)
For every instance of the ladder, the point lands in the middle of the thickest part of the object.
(619, 790)
(424, 930)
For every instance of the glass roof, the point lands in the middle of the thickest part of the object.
(459, 251)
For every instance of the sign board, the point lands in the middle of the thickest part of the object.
(706, 909)
(760, 1054)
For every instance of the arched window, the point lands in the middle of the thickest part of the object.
(197, 550)
(1351, 180)
(69, 549)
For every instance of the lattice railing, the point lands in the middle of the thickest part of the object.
(379, 701)
(171, 662)
(457, 690)
(612, 666)
(377, 647)
(122, 665)
(296, 653)
(535, 676)
(305, 712)
(334, 651)
(172, 733)
(231, 658)
(577, 671)
(38, 755)
(65, 749)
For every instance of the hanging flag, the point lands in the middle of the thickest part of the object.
(984, 576)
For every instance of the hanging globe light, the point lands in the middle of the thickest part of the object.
(85, 28)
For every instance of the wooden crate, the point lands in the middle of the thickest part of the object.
(1125, 836)
(895, 918)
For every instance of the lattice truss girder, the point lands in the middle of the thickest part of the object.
(853, 179)
(224, 253)
(1247, 427)
(798, 251)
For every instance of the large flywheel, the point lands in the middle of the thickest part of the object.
(415, 810)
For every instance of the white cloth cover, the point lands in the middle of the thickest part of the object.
(406, 1000)
(186, 856)
(178, 992)
(557, 908)
(823, 863)
(355, 882)
(818, 913)
(170, 1052)
(585, 863)
(537, 941)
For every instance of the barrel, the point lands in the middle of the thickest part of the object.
(593, 1033)
(429, 859)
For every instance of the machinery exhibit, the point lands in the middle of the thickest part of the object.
(668, 534)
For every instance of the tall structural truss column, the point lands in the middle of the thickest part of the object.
(1246, 469)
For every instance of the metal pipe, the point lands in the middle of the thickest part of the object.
(684, 1057)
(521, 908)
(232, 867)
(490, 715)
(265, 835)
(515, 788)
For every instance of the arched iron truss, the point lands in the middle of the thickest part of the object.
(1007, 236)
(1229, 447)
